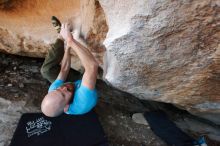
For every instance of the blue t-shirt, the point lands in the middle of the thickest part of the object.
(84, 98)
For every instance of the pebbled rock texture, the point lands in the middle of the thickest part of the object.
(166, 51)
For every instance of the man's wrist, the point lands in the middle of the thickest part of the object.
(69, 39)
(71, 42)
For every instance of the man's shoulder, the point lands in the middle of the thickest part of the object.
(56, 84)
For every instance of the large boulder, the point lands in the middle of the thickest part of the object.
(166, 51)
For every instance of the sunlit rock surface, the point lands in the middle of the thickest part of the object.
(166, 51)
(25, 26)
(159, 50)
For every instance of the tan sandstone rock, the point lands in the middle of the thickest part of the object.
(166, 51)
(25, 26)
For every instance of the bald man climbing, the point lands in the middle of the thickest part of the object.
(67, 93)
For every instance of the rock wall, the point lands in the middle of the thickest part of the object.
(166, 51)
(26, 29)
(158, 50)
(25, 26)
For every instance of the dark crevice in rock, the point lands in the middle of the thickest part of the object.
(175, 112)
(120, 99)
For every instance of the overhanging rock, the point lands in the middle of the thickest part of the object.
(166, 51)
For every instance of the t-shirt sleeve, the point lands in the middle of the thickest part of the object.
(85, 91)
(56, 84)
(84, 99)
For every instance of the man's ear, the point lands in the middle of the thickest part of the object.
(66, 108)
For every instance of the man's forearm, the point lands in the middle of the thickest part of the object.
(66, 61)
(86, 57)
(65, 65)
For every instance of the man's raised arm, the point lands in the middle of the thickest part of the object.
(86, 57)
(65, 65)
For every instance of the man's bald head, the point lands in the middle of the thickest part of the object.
(53, 104)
